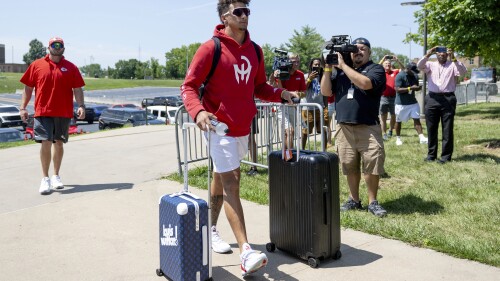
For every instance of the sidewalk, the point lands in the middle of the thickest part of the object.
(104, 224)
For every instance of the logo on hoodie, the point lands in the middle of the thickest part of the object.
(242, 73)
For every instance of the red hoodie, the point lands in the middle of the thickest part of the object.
(230, 92)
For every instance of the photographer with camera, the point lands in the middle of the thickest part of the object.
(311, 116)
(440, 103)
(358, 135)
(287, 75)
(387, 104)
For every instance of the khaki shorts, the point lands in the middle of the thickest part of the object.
(360, 144)
(312, 119)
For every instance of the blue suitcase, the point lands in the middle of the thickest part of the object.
(185, 244)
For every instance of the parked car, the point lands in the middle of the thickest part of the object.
(118, 117)
(168, 100)
(174, 101)
(147, 102)
(10, 134)
(9, 116)
(89, 113)
(125, 105)
(163, 113)
(97, 110)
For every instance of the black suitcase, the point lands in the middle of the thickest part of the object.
(304, 205)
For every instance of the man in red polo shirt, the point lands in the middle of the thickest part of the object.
(56, 81)
(387, 104)
(297, 82)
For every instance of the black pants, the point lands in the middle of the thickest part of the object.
(440, 107)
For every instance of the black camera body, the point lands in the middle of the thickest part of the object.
(282, 63)
(340, 44)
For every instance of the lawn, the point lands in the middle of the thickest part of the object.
(9, 83)
(452, 208)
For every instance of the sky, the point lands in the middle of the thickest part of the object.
(104, 31)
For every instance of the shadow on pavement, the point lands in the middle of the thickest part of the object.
(75, 188)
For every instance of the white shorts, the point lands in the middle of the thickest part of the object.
(227, 152)
(405, 112)
(290, 116)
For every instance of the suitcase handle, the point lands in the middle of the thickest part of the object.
(297, 118)
(185, 127)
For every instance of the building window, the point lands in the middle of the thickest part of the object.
(471, 61)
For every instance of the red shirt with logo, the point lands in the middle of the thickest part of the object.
(230, 92)
(390, 77)
(54, 84)
(297, 82)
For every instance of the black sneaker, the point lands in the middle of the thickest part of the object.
(351, 205)
(376, 209)
(429, 159)
(252, 172)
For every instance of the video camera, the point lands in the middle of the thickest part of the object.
(282, 63)
(340, 44)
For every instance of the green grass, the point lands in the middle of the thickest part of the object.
(452, 208)
(9, 83)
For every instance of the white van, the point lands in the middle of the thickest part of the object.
(162, 113)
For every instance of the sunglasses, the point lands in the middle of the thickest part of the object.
(238, 12)
(56, 45)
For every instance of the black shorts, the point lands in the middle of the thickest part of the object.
(51, 128)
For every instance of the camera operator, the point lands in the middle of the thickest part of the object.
(295, 83)
(358, 134)
(440, 103)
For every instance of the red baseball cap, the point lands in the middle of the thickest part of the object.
(56, 39)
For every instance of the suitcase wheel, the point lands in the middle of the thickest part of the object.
(313, 262)
(337, 255)
(270, 247)
(159, 272)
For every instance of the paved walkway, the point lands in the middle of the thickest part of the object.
(104, 224)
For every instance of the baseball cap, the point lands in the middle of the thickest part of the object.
(361, 40)
(413, 67)
(56, 39)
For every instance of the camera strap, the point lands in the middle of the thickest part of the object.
(216, 58)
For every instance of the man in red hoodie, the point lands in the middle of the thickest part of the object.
(229, 98)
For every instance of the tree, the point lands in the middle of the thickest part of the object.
(308, 44)
(378, 53)
(93, 70)
(470, 27)
(268, 51)
(126, 69)
(36, 51)
(178, 60)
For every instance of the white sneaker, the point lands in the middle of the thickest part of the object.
(399, 142)
(423, 140)
(219, 245)
(251, 260)
(56, 182)
(45, 186)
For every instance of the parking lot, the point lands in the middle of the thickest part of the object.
(102, 97)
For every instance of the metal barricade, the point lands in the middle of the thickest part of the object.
(267, 134)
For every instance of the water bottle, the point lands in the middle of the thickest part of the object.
(221, 129)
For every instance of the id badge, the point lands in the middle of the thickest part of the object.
(350, 94)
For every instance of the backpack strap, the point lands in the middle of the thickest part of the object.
(257, 50)
(216, 58)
